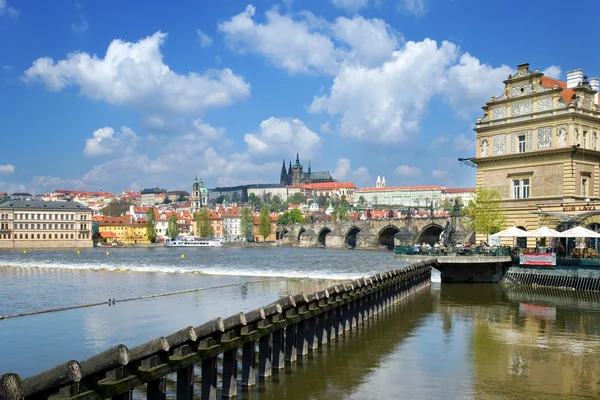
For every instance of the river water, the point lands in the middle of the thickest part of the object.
(445, 342)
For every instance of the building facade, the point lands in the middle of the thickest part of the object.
(407, 196)
(464, 194)
(125, 229)
(45, 224)
(295, 175)
(150, 197)
(538, 146)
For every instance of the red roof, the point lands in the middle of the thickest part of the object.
(107, 235)
(566, 94)
(82, 192)
(400, 188)
(459, 190)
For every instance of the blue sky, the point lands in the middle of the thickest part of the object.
(125, 95)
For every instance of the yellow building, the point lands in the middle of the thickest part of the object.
(538, 145)
(272, 236)
(28, 224)
(125, 229)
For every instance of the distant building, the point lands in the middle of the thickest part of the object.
(175, 195)
(235, 194)
(329, 190)
(262, 189)
(150, 196)
(407, 196)
(464, 194)
(296, 176)
(24, 196)
(44, 224)
(199, 195)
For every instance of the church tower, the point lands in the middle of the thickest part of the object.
(297, 172)
(284, 175)
(195, 206)
(289, 174)
(383, 182)
(378, 182)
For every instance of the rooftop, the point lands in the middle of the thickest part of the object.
(43, 205)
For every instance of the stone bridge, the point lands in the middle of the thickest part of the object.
(372, 234)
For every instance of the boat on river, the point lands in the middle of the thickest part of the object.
(195, 242)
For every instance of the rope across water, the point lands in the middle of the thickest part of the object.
(56, 309)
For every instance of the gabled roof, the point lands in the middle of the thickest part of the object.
(566, 94)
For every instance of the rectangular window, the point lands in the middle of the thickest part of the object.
(522, 144)
(516, 189)
(525, 188)
(584, 141)
(584, 187)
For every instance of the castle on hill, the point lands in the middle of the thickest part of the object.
(295, 175)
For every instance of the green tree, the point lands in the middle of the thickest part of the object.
(246, 223)
(150, 228)
(321, 201)
(254, 200)
(181, 197)
(172, 228)
(485, 211)
(343, 201)
(116, 208)
(203, 226)
(342, 214)
(264, 222)
(361, 201)
(297, 198)
(166, 200)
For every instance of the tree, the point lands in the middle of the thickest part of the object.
(235, 197)
(181, 197)
(297, 198)
(486, 212)
(343, 201)
(116, 208)
(246, 223)
(172, 228)
(361, 200)
(342, 214)
(264, 222)
(203, 226)
(166, 200)
(150, 228)
(254, 200)
(321, 201)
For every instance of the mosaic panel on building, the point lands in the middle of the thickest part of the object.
(499, 144)
(499, 112)
(523, 108)
(544, 136)
(544, 104)
(521, 90)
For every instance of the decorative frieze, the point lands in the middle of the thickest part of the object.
(499, 144)
(529, 141)
(562, 135)
(525, 107)
(544, 138)
(544, 104)
(499, 112)
(521, 90)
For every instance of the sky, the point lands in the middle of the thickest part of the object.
(118, 95)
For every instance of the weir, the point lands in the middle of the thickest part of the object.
(269, 338)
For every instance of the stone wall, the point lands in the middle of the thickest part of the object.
(46, 244)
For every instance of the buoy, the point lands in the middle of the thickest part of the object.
(108, 253)
(183, 256)
(78, 252)
(24, 251)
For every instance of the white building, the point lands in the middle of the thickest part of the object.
(231, 226)
(260, 190)
(465, 194)
(407, 196)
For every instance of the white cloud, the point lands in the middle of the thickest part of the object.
(350, 5)
(553, 71)
(5, 9)
(372, 41)
(406, 170)
(106, 141)
(361, 177)
(81, 27)
(383, 104)
(438, 173)
(204, 39)
(291, 45)
(325, 127)
(134, 75)
(413, 7)
(278, 135)
(470, 84)
(462, 143)
(7, 169)
(208, 131)
(342, 168)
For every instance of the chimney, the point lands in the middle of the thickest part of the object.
(574, 78)
(595, 83)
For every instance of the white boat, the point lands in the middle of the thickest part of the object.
(195, 242)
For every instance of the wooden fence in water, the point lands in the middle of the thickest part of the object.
(268, 337)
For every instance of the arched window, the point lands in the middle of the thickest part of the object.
(56, 236)
(44, 236)
(26, 236)
(20, 236)
(38, 235)
(61, 236)
(71, 236)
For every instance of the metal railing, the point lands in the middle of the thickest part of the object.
(281, 331)
(457, 251)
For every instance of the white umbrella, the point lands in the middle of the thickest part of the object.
(543, 231)
(513, 231)
(580, 232)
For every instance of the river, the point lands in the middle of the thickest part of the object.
(446, 342)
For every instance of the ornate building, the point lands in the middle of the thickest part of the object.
(537, 144)
(199, 194)
(296, 176)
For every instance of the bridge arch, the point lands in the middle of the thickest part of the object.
(322, 238)
(386, 236)
(430, 234)
(350, 237)
(281, 233)
(300, 232)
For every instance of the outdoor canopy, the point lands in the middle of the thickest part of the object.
(579, 232)
(543, 231)
(513, 231)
